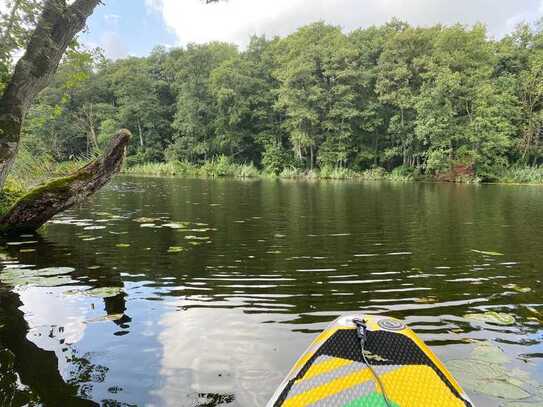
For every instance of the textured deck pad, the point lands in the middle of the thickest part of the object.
(332, 371)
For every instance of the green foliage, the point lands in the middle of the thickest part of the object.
(16, 23)
(392, 102)
(221, 167)
(275, 159)
(519, 175)
(327, 172)
(10, 194)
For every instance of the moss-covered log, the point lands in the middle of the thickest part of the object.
(44, 202)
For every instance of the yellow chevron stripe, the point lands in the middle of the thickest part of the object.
(329, 389)
(325, 335)
(324, 367)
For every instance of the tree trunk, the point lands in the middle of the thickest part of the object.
(140, 133)
(57, 27)
(44, 202)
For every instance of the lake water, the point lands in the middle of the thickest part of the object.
(178, 292)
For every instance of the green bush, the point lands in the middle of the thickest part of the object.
(401, 174)
(275, 159)
(247, 171)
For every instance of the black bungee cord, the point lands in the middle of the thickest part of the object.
(361, 332)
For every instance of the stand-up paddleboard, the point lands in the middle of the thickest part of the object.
(369, 361)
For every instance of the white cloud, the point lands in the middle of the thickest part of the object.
(113, 45)
(236, 20)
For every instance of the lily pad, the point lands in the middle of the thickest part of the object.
(485, 372)
(55, 271)
(487, 252)
(493, 317)
(17, 277)
(99, 292)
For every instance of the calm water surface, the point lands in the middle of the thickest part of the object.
(176, 292)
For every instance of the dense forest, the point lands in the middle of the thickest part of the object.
(416, 101)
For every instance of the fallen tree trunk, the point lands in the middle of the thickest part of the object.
(44, 202)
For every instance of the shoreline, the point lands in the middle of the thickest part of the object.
(360, 179)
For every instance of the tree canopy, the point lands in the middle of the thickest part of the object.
(395, 96)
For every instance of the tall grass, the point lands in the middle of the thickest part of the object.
(521, 175)
(31, 170)
(219, 167)
(225, 167)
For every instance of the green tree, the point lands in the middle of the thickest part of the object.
(196, 113)
(401, 76)
(317, 76)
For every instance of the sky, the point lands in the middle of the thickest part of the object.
(134, 27)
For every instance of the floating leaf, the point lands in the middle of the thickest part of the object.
(197, 237)
(55, 271)
(122, 245)
(42, 278)
(175, 249)
(485, 372)
(27, 250)
(487, 253)
(499, 318)
(99, 292)
(94, 227)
